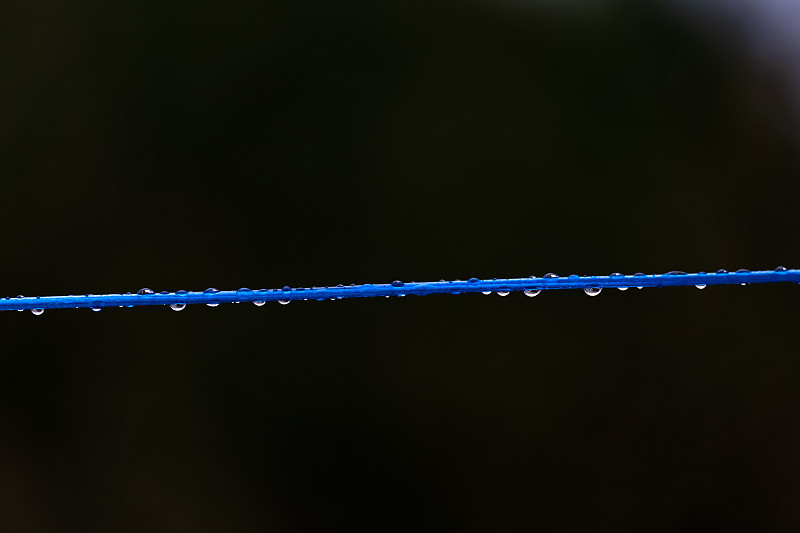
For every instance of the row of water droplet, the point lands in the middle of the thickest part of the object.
(243, 291)
(590, 291)
(594, 291)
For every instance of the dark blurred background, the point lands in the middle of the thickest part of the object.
(182, 145)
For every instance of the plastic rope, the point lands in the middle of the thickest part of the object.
(531, 286)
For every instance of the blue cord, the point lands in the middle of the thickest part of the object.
(532, 286)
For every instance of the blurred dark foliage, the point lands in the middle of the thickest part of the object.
(184, 145)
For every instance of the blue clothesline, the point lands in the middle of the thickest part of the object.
(531, 286)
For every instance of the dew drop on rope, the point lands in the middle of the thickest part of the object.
(616, 275)
(211, 290)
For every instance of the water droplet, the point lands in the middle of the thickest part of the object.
(473, 280)
(97, 309)
(284, 302)
(486, 292)
(20, 296)
(550, 275)
(211, 290)
(640, 274)
(592, 291)
(743, 271)
(144, 291)
(781, 269)
(287, 288)
(244, 291)
(397, 283)
(532, 292)
(722, 271)
(259, 303)
(37, 312)
(177, 307)
(503, 292)
(181, 292)
(675, 273)
(617, 275)
(700, 286)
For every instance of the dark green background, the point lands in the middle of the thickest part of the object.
(183, 145)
